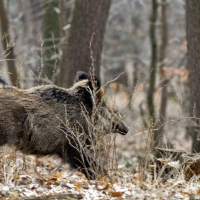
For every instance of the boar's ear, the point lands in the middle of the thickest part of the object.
(93, 82)
(80, 75)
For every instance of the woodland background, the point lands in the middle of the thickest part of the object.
(145, 52)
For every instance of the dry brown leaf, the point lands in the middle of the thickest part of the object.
(58, 175)
(99, 177)
(16, 176)
(51, 167)
(116, 194)
(198, 191)
(48, 182)
(186, 191)
(79, 186)
(102, 186)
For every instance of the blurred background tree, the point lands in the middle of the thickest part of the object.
(153, 66)
(193, 66)
(8, 47)
(163, 79)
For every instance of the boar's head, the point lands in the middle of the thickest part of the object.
(111, 120)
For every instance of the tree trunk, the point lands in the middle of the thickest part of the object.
(87, 29)
(163, 48)
(7, 46)
(51, 39)
(152, 34)
(193, 63)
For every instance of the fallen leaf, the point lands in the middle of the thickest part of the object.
(16, 176)
(78, 186)
(198, 191)
(58, 175)
(187, 192)
(102, 186)
(116, 194)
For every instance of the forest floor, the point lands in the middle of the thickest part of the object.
(126, 182)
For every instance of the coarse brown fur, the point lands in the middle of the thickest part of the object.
(43, 120)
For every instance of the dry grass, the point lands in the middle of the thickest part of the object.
(127, 183)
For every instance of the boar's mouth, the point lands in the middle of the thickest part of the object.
(114, 119)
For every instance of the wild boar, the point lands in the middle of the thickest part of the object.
(50, 120)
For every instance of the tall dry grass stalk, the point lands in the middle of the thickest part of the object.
(96, 147)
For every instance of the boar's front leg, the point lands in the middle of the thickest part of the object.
(75, 153)
(79, 160)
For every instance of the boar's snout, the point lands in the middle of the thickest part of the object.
(121, 128)
(112, 119)
(125, 130)
(118, 125)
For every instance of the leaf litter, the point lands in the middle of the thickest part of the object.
(37, 182)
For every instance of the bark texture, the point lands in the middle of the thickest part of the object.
(163, 48)
(88, 26)
(7, 46)
(153, 65)
(193, 63)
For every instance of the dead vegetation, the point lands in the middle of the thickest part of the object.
(138, 182)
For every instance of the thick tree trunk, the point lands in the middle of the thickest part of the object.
(193, 63)
(152, 34)
(8, 48)
(87, 27)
